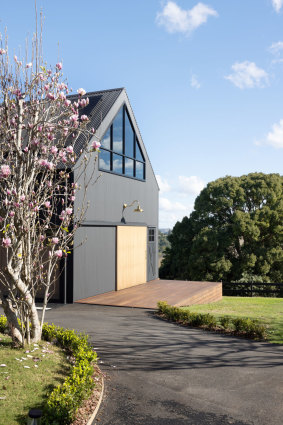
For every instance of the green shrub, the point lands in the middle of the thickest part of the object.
(65, 399)
(3, 324)
(249, 327)
(241, 326)
(225, 322)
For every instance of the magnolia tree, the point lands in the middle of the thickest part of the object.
(39, 131)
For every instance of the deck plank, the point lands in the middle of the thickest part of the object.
(146, 295)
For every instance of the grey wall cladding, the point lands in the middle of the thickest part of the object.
(94, 261)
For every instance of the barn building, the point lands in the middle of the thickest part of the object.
(120, 229)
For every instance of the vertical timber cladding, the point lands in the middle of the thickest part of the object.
(131, 256)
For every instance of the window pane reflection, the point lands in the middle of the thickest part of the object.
(106, 140)
(117, 164)
(129, 167)
(129, 137)
(104, 160)
(120, 150)
(118, 132)
(139, 155)
(139, 170)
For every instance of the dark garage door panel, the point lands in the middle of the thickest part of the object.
(94, 261)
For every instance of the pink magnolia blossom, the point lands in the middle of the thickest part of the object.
(74, 117)
(46, 164)
(84, 118)
(47, 204)
(70, 149)
(9, 192)
(2, 51)
(69, 211)
(51, 96)
(15, 58)
(36, 209)
(62, 96)
(42, 237)
(6, 242)
(50, 165)
(81, 92)
(58, 253)
(16, 204)
(72, 198)
(59, 66)
(12, 213)
(42, 162)
(5, 171)
(96, 145)
(55, 241)
(54, 150)
(22, 198)
(67, 102)
(82, 103)
(29, 65)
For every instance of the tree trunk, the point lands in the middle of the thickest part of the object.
(11, 314)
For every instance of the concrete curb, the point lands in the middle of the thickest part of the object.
(93, 416)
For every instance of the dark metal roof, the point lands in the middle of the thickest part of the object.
(100, 103)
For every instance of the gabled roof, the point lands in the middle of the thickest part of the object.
(100, 103)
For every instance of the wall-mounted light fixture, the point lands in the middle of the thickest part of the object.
(137, 209)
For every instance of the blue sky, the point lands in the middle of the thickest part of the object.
(205, 79)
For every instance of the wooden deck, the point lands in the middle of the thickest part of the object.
(146, 295)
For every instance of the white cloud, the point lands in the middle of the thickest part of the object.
(195, 82)
(191, 185)
(170, 212)
(247, 75)
(275, 136)
(277, 4)
(175, 19)
(163, 184)
(276, 48)
(167, 205)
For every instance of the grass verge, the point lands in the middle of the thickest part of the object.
(268, 311)
(28, 376)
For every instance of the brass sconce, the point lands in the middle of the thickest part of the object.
(137, 209)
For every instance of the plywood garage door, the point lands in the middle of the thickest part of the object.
(131, 256)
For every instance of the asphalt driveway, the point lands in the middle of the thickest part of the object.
(161, 373)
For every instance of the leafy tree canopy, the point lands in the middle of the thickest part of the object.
(235, 230)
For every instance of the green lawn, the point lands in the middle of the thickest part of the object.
(268, 311)
(22, 388)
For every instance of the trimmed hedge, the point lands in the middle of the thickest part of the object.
(237, 326)
(63, 402)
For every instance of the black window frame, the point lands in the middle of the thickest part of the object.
(123, 155)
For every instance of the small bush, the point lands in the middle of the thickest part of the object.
(249, 327)
(65, 399)
(225, 322)
(241, 326)
(3, 324)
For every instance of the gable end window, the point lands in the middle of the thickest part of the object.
(120, 151)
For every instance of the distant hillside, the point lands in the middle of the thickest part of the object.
(165, 231)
